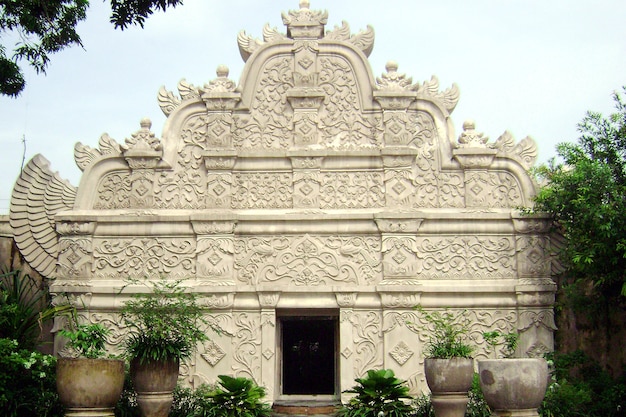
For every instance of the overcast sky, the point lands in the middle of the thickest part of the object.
(533, 67)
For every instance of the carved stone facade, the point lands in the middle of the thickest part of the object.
(309, 189)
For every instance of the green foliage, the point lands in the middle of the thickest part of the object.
(47, 27)
(134, 12)
(507, 340)
(581, 388)
(236, 397)
(380, 391)
(127, 404)
(165, 323)
(27, 382)
(586, 194)
(87, 340)
(24, 307)
(448, 334)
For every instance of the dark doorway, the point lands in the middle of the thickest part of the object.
(308, 365)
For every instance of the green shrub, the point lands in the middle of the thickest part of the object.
(380, 391)
(235, 397)
(581, 388)
(27, 382)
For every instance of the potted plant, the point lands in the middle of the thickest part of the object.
(448, 366)
(90, 383)
(164, 327)
(512, 386)
(380, 393)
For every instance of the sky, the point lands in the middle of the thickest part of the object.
(532, 67)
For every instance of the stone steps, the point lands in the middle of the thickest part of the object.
(305, 409)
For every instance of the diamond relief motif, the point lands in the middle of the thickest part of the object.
(213, 353)
(268, 354)
(401, 353)
(306, 62)
(346, 353)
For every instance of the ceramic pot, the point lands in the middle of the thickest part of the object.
(89, 387)
(449, 381)
(154, 383)
(514, 387)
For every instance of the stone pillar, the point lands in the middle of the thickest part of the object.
(215, 251)
(269, 342)
(142, 152)
(306, 178)
(75, 258)
(399, 248)
(346, 302)
(536, 289)
(398, 169)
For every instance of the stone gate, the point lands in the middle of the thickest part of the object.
(313, 205)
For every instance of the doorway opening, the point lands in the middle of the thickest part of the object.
(308, 366)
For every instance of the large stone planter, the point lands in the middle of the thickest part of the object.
(514, 387)
(89, 387)
(449, 381)
(154, 383)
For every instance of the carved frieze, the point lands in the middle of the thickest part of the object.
(144, 257)
(492, 189)
(262, 190)
(352, 190)
(465, 257)
(113, 191)
(308, 260)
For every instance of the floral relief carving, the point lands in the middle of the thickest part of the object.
(147, 257)
(352, 190)
(183, 189)
(532, 256)
(247, 345)
(492, 189)
(262, 190)
(268, 125)
(214, 257)
(74, 259)
(466, 257)
(401, 353)
(367, 333)
(399, 256)
(308, 260)
(113, 191)
(343, 123)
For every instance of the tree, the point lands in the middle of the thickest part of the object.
(586, 194)
(48, 26)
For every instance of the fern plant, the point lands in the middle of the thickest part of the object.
(236, 397)
(379, 392)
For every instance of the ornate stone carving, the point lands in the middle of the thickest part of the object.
(525, 151)
(143, 257)
(37, 196)
(86, 156)
(305, 23)
(215, 258)
(247, 346)
(213, 353)
(307, 260)
(401, 353)
(465, 257)
(262, 190)
(492, 189)
(351, 190)
(448, 99)
(366, 328)
(364, 40)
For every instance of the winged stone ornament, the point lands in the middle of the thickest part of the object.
(39, 194)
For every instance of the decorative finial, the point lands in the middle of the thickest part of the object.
(145, 123)
(470, 138)
(391, 66)
(305, 4)
(222, 71)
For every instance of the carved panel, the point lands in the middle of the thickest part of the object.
(75, 257)
(144, 257)
(399, 256)
(492, 190)
(219, 189)
(533, 260)
(262, 190)
(214, 259)
(341, 190)
(269, 123)
(308, 260)
(344, 124)
(466, 257)
(367, 334)
(306, 185)
(246, 348)
(113, 191)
